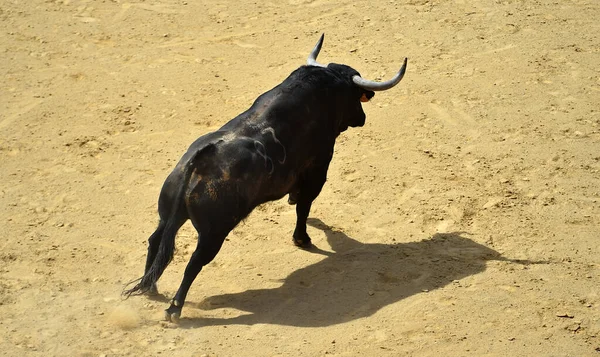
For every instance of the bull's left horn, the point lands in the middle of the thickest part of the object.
(375, 86)
(312, 58)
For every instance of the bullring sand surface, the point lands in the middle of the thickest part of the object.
(462, 220)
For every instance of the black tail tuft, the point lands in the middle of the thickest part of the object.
(138, 289)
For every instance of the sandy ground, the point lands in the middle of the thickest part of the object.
(462, 219)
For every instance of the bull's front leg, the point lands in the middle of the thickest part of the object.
(301, 238)
(309, 188)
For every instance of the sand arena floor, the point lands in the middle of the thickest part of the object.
(462, 219)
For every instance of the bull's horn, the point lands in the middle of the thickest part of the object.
(312, 58)
(374, 86)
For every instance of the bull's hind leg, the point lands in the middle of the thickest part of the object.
(209, 244)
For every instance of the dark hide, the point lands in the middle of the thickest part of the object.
(281, 145)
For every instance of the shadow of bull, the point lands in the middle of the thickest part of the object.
(354, 281)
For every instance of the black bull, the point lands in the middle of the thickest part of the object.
(282, 145)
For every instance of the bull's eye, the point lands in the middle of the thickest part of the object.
(364, 98)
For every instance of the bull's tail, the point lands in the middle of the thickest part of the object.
(177, 217)
(163, 257)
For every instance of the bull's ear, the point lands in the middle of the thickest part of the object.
(366, 96)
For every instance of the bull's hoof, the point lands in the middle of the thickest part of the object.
(173, 313)
(303, 242)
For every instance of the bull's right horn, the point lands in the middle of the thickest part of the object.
(375, 86)
(312, 58)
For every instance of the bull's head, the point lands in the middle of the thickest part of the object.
(359, 89)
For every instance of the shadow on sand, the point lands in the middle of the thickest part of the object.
(353, 282)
